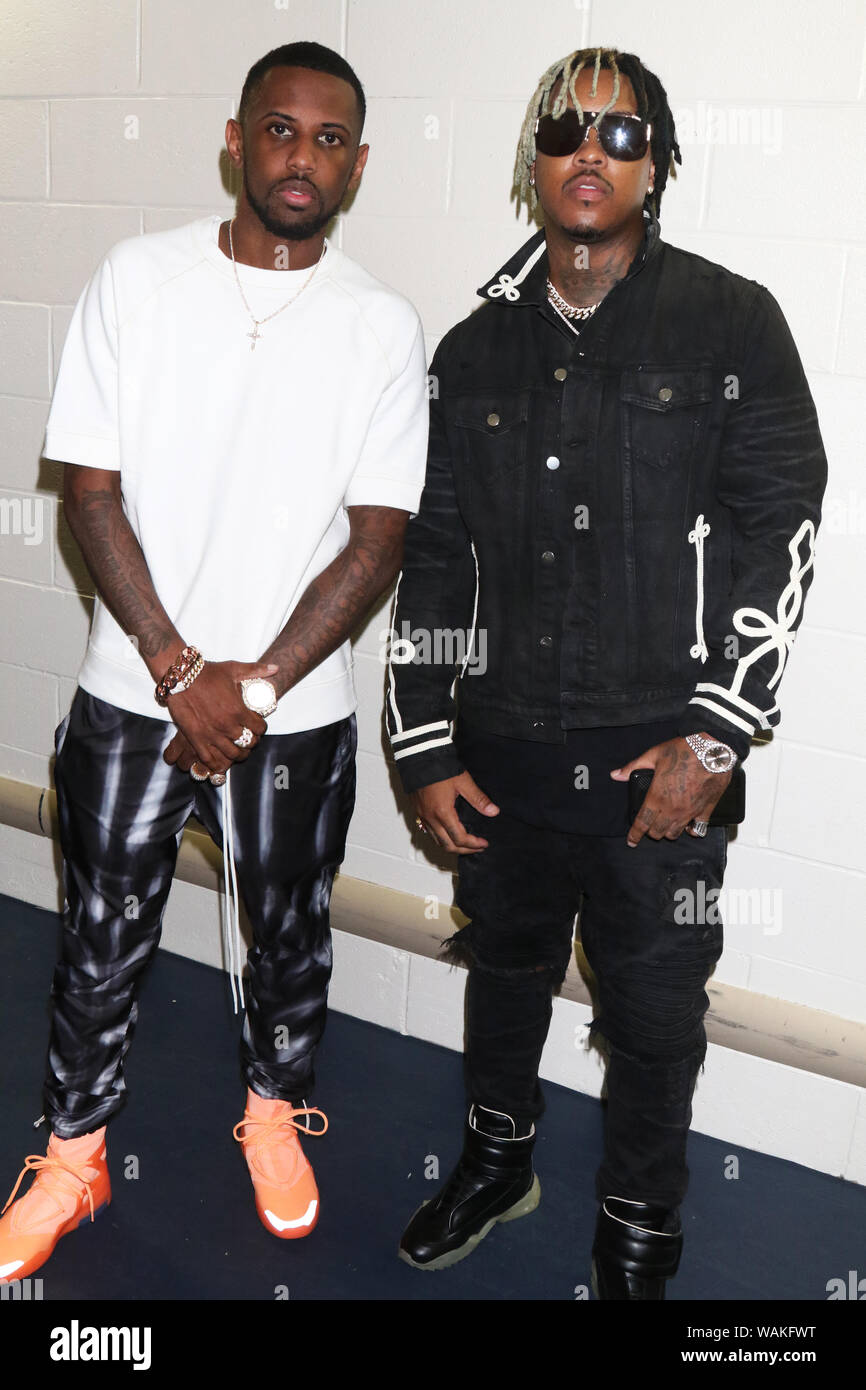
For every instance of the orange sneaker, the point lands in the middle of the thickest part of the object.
(287, 1199)
(71, 1186)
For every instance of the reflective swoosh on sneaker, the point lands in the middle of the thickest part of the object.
(280, 1225)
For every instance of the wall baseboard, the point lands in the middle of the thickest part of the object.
(779, 1077)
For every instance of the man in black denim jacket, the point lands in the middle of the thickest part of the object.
(614, 544)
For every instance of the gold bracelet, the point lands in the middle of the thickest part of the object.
(179, 670)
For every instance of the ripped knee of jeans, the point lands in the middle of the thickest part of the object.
(457, 949)
(486, 951)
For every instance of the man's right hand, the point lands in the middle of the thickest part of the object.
(211, 714)
(435, 805)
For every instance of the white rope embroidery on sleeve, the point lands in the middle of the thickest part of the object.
(753, 622)
(696, 538)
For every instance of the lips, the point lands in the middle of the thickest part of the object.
(297, 194)
(587, 188)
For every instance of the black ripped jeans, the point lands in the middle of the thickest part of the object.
(651, 932)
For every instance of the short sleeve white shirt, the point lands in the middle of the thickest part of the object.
(237, 463)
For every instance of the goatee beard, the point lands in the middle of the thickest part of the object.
(289, 231)
(585, 234)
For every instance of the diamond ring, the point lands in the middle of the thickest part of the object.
(244, 739)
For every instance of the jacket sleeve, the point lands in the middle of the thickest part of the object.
(772, 475)
(435, 603)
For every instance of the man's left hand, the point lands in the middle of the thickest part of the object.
(681, 791)
(180, 753)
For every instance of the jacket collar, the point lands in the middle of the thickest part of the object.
(523, 278)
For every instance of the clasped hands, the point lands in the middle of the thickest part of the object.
(211, 714)
(681, 791)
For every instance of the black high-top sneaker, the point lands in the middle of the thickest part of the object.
(493, 1181)
(636, 1248)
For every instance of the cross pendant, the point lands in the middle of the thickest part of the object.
(255, 335)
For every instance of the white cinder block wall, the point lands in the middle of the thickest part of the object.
(111, 124)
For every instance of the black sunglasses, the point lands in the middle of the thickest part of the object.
(622, 135)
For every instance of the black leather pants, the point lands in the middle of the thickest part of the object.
(122, 811)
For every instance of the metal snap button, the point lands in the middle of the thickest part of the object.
(493, 418)
(545, 642)
(548, 557)
(665, 393)
(553, 462)
(560, 374)
(538, 723)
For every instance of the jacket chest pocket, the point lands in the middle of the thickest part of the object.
(491, 433)
(664, 414)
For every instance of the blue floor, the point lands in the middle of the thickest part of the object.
(186, 1228)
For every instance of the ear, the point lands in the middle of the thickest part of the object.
(235, 141)
(358, 168)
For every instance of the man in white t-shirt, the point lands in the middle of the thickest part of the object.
(242, 412)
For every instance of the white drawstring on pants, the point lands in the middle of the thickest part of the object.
(232, 918)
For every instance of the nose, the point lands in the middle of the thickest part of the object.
(301, 155)
(590, 149)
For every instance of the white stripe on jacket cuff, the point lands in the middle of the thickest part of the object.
(422, 747)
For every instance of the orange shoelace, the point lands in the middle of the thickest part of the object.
(58, 1170)
(267, 1129)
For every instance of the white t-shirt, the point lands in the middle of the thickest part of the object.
(236, 464)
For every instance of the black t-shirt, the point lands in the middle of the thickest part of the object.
(560, 786)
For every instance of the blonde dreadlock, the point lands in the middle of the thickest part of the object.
(652, 106)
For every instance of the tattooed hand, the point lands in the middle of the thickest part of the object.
(681, 791)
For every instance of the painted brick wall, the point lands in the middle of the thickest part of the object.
(111, 122)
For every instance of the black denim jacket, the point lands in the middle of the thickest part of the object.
(616, 527)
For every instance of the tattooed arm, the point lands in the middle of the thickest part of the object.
(94, 510)
(211, 713)
(331, 607)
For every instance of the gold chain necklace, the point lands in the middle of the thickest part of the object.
(257, 323)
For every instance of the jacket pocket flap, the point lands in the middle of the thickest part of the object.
(661, 388)
(492, 414)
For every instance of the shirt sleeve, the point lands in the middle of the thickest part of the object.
(390, 471)
(82, 423)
